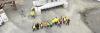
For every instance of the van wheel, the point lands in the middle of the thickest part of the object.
(3, 23)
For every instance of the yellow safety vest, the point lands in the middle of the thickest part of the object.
(55, 20)
(65, 18)
(33, 27)
(32, 13)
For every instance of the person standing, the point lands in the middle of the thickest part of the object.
(14, 5)
(68, 21)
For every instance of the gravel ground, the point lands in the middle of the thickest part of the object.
(20, 22)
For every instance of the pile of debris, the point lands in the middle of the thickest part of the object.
(4, 2)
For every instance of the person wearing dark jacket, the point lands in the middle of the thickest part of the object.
(37, 26)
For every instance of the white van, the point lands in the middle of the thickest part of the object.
(50, 4)
(3, 17)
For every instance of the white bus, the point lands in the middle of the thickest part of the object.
(39, 6)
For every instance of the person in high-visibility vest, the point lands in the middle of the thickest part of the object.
(35, 27)
(45, 24)
(55, 20)
(49, 24)
(32, 13)
(66, 20)
(61, 20)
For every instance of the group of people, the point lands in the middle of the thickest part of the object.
(55, 21)
(63, 20)
(41, 25)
